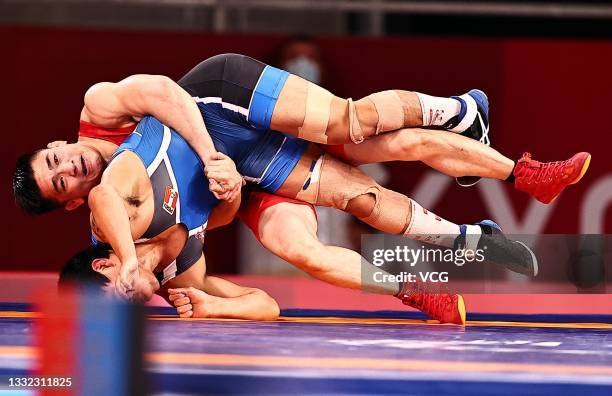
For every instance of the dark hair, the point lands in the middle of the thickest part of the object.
(78, 271)
(27, 193)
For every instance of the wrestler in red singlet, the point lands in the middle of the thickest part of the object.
(255, 202)
(113, 135)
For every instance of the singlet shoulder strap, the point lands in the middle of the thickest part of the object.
(150, 141)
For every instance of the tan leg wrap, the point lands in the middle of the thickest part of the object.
(310, 189)
(318, 110)
(396, 214)
(390, 110)
(355, 131)
(333, 183)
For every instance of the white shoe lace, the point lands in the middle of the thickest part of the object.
(485, 131)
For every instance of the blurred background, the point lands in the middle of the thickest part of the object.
(546, 66)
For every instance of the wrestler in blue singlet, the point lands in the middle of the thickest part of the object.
(236, 96)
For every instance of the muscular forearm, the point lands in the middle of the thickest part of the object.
(255, 305)
(112, 220)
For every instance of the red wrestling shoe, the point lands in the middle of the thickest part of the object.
(445, 308)
(545, 180)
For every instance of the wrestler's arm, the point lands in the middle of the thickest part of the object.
(222, 166)
(223, 214)
(114, 105)
(110, 216)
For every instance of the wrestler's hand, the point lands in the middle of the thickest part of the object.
(125, 285)
(225, 181)
(190, 302)
(143, 290)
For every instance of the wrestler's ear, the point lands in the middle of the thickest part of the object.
(57, 143)
(100, 263)
(74, 203)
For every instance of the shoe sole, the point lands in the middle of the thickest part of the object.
(585, 167)
(463, 180)
(534, 259)
(461, 307)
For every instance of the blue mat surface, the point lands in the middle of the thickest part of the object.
(354, 352)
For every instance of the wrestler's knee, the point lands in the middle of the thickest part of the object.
(376, 113)
(289, 231)
(336, 184)
(362, 205)
(390, 211)
(309, 255)
(327, 123)
(329, 119)
(351, 121)
(300, 251)
(366, 114)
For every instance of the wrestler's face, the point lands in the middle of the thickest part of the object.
(145, 286)
(67, 172)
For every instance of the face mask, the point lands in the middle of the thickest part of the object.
(305, 68)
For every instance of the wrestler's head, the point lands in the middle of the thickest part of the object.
(59, 176)
(97, 267)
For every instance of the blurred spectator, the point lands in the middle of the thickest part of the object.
(302, 57)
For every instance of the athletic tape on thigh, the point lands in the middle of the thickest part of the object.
(333, 183)
(318, 110)
(390, 110)
(355, 131)
(310, 189)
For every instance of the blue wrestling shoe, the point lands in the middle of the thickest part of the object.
(488, 237)
(473, 122)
